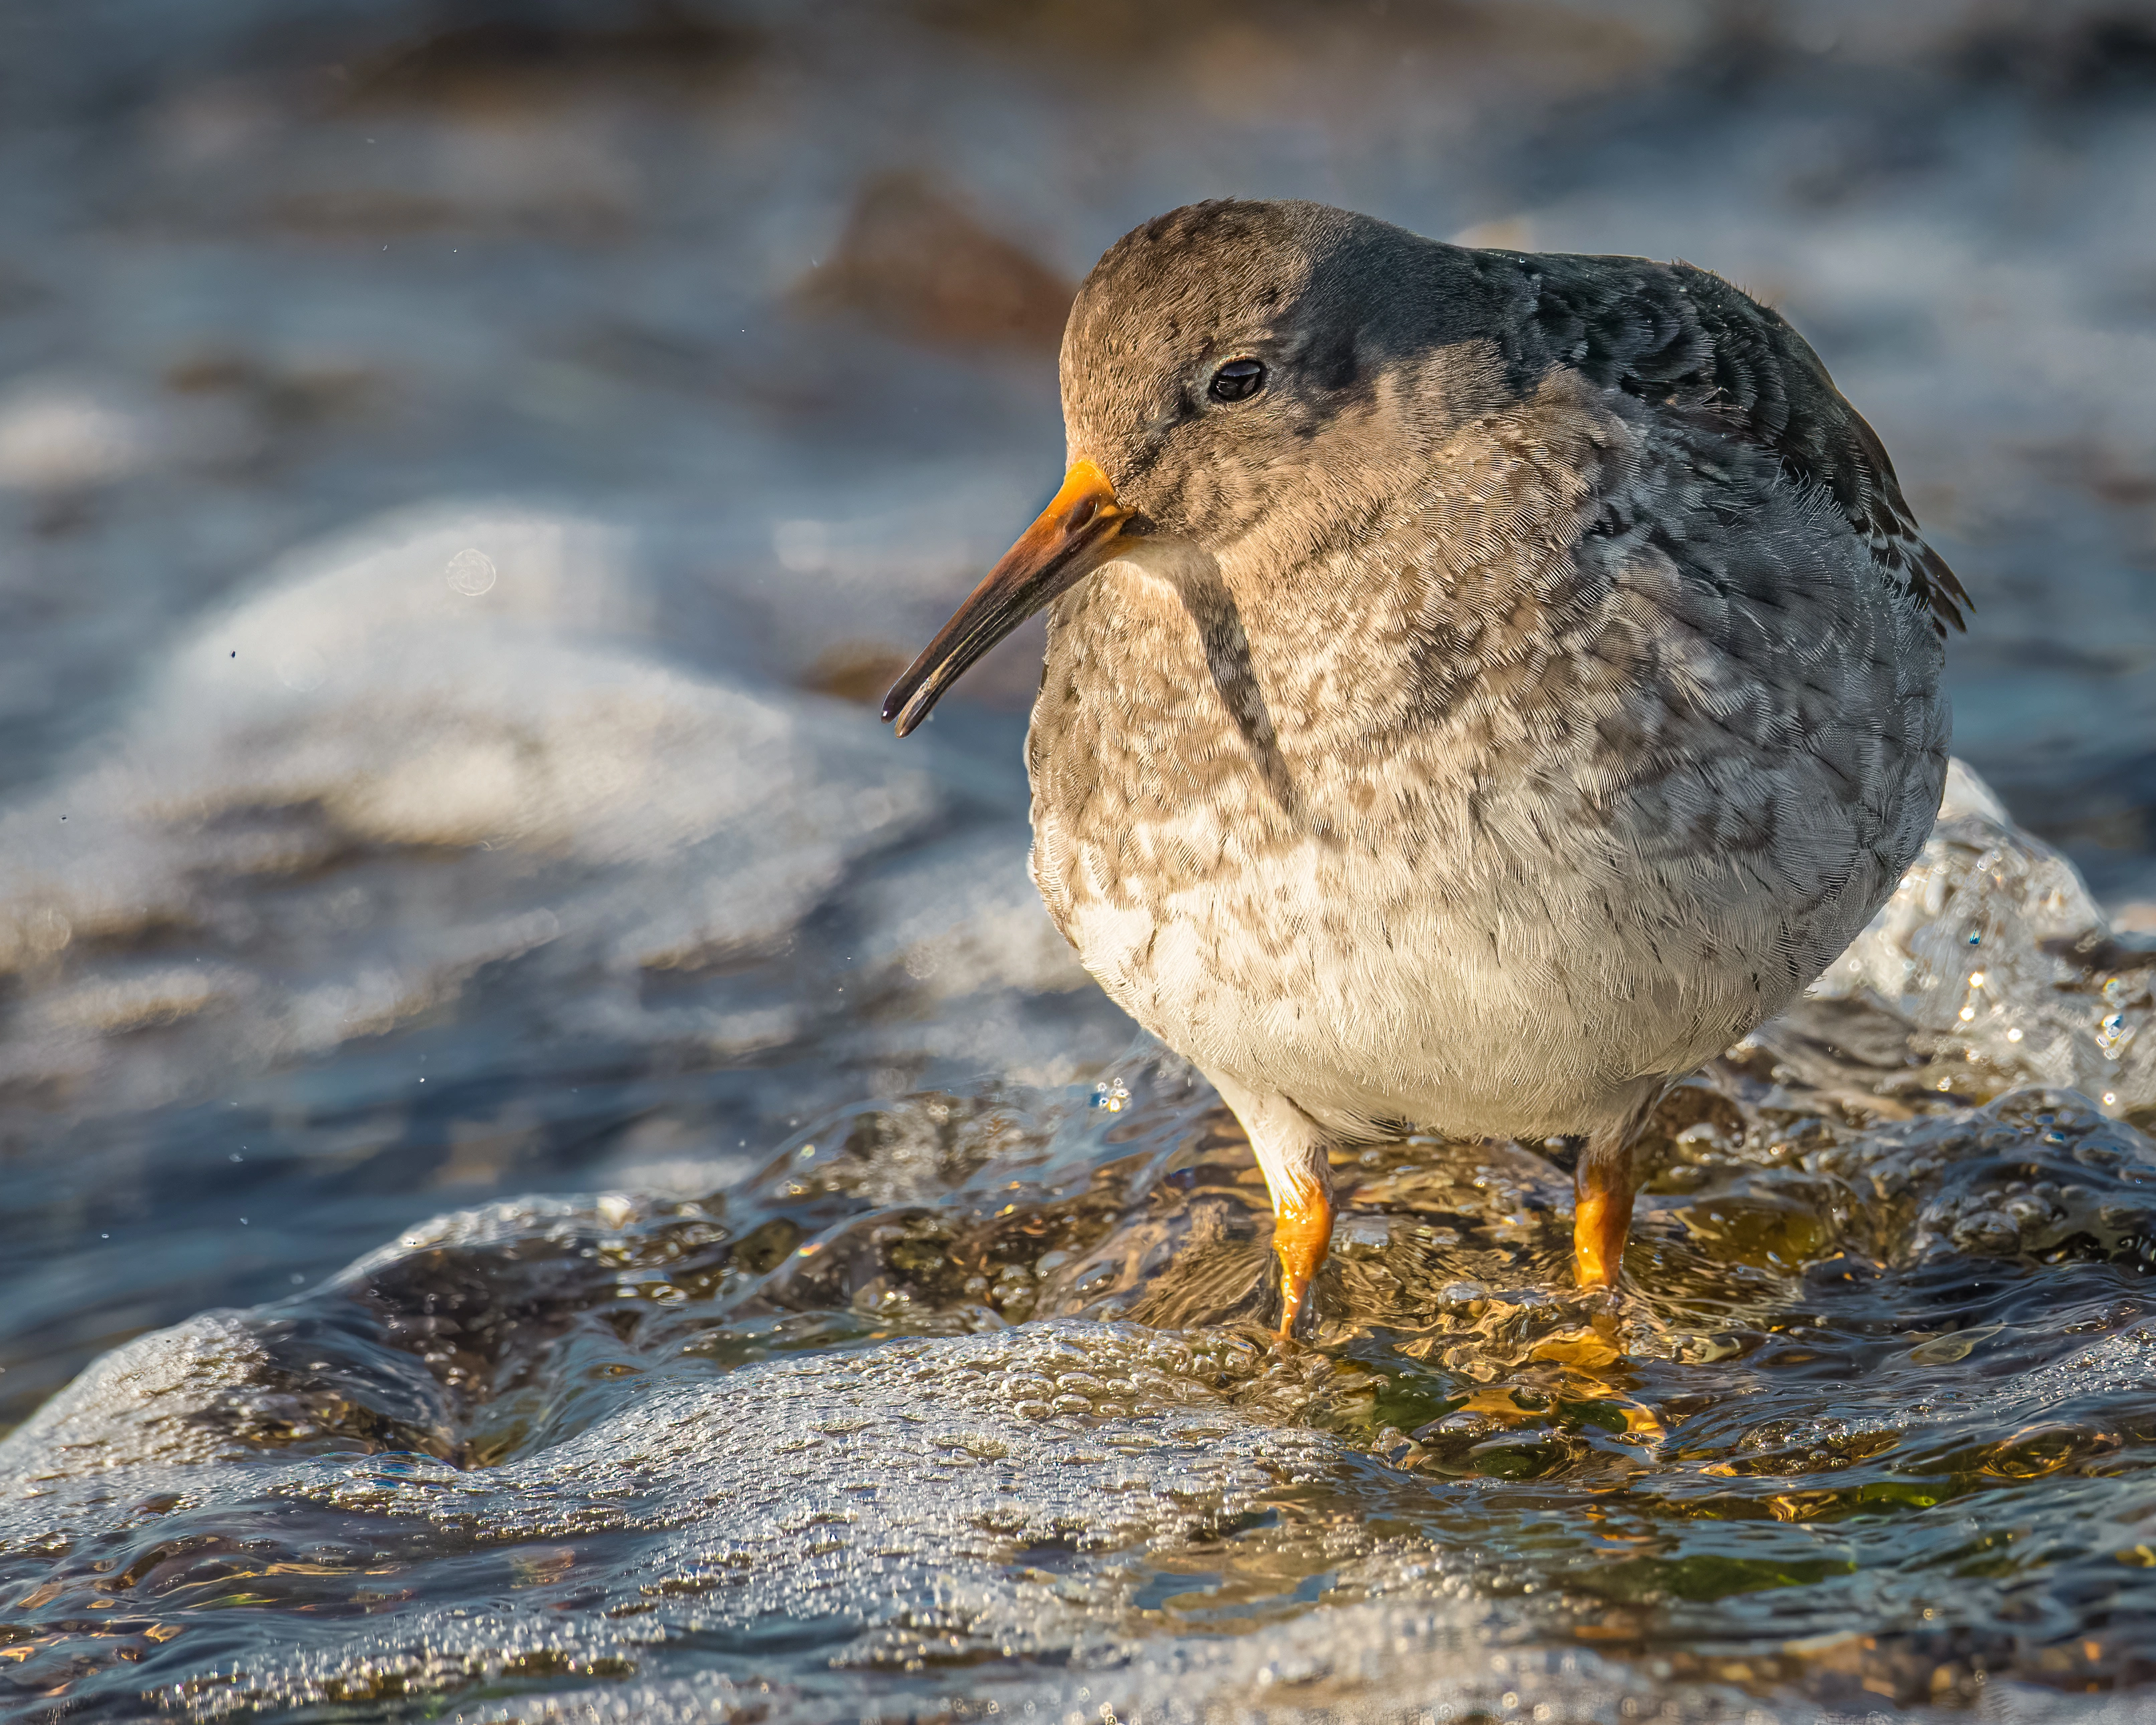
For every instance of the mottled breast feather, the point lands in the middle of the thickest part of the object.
(1684, 339)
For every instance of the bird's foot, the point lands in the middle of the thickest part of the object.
(1601, 1218)
(1303, 1235)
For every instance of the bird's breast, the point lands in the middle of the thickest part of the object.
(1496, 898)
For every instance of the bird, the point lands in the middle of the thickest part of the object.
(1480, 685)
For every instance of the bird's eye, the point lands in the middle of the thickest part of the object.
(1238, 380)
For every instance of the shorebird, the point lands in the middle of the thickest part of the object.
(1481, 686)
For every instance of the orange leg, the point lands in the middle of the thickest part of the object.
(1290, 1146)
(1303, 1235)
(1602, 1212)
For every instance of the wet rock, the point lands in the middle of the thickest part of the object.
(220, 1387)
(662, 47)
(915, 261)
(2039, 1174)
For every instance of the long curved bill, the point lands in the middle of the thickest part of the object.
(1078, 531)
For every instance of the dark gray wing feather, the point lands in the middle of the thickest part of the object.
(1685, 340)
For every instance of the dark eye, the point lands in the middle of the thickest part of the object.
(1238, 380)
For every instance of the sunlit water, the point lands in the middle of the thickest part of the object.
(359, 868)
(966, 1400)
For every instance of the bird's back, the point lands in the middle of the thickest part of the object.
(1684, 339)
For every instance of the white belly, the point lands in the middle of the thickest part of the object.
(1487, 999)
(1374, 1011)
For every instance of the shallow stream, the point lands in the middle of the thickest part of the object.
(965, 1402)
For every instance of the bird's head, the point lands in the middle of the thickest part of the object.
(1238, 374)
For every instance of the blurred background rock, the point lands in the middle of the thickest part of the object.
(466, 470)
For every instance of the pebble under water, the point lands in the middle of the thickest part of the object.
(965, 1405)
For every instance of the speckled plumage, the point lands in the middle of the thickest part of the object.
(1528, 693)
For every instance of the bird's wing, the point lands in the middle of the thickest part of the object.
(1684, 339)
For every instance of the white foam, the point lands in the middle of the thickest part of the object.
(347, 794)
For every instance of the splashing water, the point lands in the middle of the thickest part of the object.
(965, 1403)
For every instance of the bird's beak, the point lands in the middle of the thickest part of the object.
(1078, 531)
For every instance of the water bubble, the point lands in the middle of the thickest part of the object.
(471, 571)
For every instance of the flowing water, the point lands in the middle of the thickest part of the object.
(463, 471)
(965, 1402)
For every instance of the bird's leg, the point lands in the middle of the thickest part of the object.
(1303, 1235)
(1290, 1149)
(1602, 1209)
